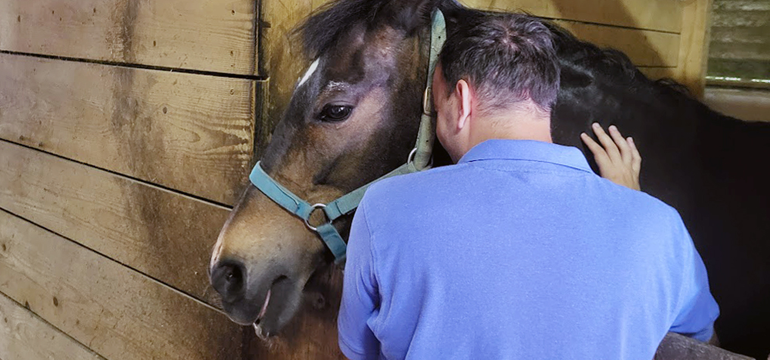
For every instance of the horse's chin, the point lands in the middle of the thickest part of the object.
(270, 313)
(268, 316)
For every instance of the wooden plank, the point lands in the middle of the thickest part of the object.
(645, 48)
(193, 133)
(190, 34)
(112, 309)
(157, 232)
(694, 45)
(24, 336)
(281, 56)
(662, 15)
(656, 73)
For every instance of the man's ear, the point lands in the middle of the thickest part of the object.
(465, 102)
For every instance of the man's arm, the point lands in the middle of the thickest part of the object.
(360, 298)
(696, 308)
(618, 159)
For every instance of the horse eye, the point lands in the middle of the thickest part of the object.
(335, 112)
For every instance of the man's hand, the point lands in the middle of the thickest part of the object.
(618, 159)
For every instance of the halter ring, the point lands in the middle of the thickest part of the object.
(410, 158)
(315, 207)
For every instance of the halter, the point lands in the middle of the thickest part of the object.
(418, 160)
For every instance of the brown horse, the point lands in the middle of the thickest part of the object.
(354, 117)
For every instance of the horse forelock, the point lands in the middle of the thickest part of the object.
(322, 30)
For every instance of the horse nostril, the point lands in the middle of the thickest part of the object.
(227, 278)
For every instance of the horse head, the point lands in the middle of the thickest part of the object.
(353, 117)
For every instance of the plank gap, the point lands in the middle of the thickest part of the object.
(127, 177)
(86, 248)
(53, 329)
(555, 19)
(136, 66)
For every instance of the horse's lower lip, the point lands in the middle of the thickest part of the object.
(264, 306)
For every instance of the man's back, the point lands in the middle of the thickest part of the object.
(519, 251)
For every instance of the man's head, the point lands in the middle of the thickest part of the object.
(496, 77)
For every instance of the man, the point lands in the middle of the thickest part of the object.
(519, 251)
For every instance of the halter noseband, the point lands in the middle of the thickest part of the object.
(419, 159)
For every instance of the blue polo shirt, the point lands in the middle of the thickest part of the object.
(518, 252)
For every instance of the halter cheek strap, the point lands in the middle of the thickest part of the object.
(419, 159)
(302, 209)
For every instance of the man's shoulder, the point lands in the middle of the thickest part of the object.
(415, 182)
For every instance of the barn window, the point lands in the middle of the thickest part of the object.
(739, 52)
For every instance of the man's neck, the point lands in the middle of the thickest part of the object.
(514, 124)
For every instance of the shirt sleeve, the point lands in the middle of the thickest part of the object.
(696, 310)
(360, 298)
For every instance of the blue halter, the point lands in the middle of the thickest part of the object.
(419, 159)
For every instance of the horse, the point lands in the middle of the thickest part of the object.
(354, 116)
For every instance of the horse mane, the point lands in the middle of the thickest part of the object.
(605, 62)
(323, 28)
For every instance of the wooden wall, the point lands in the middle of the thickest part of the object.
(127, 130)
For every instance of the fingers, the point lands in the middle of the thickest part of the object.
(618, 158)
(607, 142)
(625, 149)
(599, 154)
(636, 157)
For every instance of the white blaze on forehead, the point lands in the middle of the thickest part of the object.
(310, 71)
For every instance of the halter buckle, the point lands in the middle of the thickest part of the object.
(307, 220)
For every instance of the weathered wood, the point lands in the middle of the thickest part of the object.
(281, 57)
(193, 133)
(694, 45)
(660, 15)
(656, 73)
(163, 234)
(24, 336)
(191, 34)
(114, 310)
(643, 47)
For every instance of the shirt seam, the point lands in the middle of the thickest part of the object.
(582, 172)
(580, 168)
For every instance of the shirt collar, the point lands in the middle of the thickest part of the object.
(530, 150)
